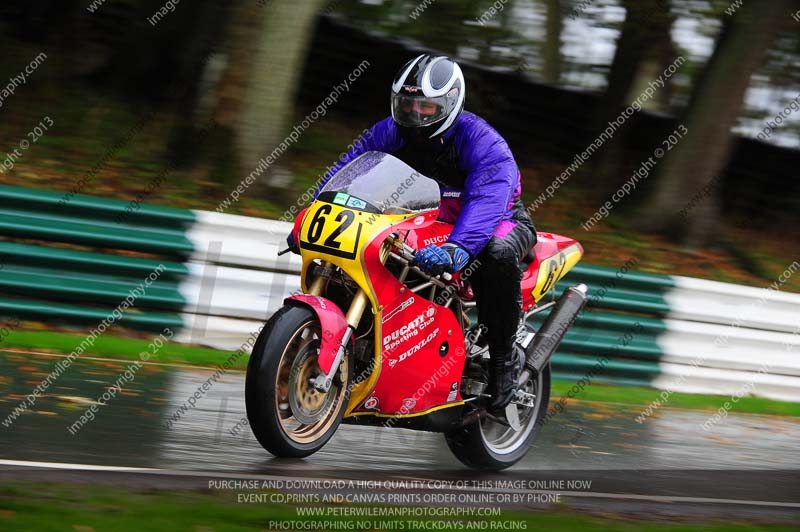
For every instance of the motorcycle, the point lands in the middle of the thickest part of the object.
(374, 340)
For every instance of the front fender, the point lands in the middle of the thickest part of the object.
(332, 322)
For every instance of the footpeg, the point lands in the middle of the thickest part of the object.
(524, 399)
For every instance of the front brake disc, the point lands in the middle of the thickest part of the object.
(308, 405)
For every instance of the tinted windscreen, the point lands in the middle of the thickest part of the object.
(385, 182)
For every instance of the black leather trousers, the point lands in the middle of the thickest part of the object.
(496, 282)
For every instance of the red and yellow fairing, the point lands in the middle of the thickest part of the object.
(418, 340)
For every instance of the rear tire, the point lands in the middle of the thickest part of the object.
(283, 361)
(489, 445)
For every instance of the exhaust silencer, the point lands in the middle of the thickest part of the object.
(552, 331)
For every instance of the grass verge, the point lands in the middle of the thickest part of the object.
(84, 507)
(642, 397)
(117, 347)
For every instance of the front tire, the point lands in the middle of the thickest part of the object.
(289, 418)
(489, 445)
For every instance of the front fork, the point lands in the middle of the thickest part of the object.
(358, 306)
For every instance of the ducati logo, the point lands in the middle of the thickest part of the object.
(435, 240)
(409, 403)
(401, 334)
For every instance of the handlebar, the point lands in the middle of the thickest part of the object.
(409, 254)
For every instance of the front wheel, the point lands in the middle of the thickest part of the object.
(489, 445)
(288, 416)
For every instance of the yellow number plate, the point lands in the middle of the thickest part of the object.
(331, 229)
(554, 268)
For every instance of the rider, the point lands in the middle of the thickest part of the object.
(480, 192)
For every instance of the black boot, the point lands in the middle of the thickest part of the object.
(503, 374)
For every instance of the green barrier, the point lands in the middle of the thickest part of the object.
(94, 207)
(89, 232)
(568, 363)
(53, 281)
(50, 311)
(598, 276)
(606, 321)
(88, 286)
(621, 299)
(641, 346)
(565, 374)
(71, 259)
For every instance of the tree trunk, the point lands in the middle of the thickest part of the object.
(552, 51)
(714, 106)
(644, 37)
(280, 53)
(185, 143)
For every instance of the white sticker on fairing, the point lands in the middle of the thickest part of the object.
(453, 392)
(356, 203)
(392, 313)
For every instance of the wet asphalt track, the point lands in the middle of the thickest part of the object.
(757, 457)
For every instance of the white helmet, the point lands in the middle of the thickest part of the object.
(427, 96)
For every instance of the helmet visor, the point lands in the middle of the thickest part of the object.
(418, 111)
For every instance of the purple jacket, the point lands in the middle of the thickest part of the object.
(479, 178)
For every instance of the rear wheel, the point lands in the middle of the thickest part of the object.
(288, 416)
(487, 444)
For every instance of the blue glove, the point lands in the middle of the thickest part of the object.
(438, 259)
(292, 244)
